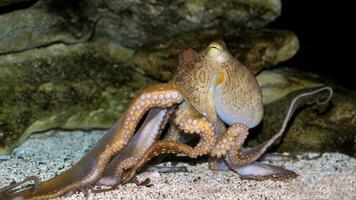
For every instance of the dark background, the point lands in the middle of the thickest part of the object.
(326, 42)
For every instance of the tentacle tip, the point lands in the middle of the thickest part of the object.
(9, 190)
(330, 91)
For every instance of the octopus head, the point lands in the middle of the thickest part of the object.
(237, 96)
(217, 52)
(220, 86)
(218, 59)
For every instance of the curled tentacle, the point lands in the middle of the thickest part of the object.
(233, 139)
(189, 122)
(89, 169)
(159, 148)
(149, 131)
(331, 92)
(242, 156)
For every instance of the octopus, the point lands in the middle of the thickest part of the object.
(212, 99)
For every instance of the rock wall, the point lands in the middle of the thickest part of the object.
(68, 64)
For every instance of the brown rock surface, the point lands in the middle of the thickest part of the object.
(134, 23)
(257, 49)
(125, 22)
(45, 23)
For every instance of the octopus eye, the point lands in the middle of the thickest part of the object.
(214, 46)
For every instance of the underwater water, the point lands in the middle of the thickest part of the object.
(92, 92)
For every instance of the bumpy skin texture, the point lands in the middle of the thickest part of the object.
(212, 96)
(218, 84)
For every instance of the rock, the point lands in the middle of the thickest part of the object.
(128, 23)
(10, 2)
(68, 64)
(46, 23)
(278, 83)
(81, 86)
(134, 23)
(316, 128)
(255, 48)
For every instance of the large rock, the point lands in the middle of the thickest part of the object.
(10, 2)
(134, 23)
(46, 23)
(278, 83)
(327, 128)
(257, 49)
(125, 22)
(66, 87)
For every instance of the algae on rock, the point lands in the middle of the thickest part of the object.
(46, 23)
(69, 87)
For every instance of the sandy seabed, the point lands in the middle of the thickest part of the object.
(331, 176)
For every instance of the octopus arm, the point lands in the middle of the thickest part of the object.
(90, 168)
(150, 130)
(259, 171)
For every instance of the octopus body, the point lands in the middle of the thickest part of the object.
(212, 96)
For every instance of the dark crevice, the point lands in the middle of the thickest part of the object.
(16, 6)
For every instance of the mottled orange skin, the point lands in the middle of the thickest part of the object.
(214, 77)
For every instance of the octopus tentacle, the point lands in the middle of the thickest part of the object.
(278, 157)
(245, 165)
(150, 130)
(173, 133)
(258, 171)
(92, 165)
(240, 156)
(166, 169)
(54, 187)
(14, 185)
(253, 171)
(217, 164)
(234, 137)
(161, 147)
(189, 122)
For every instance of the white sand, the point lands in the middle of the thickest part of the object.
(333, 176)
